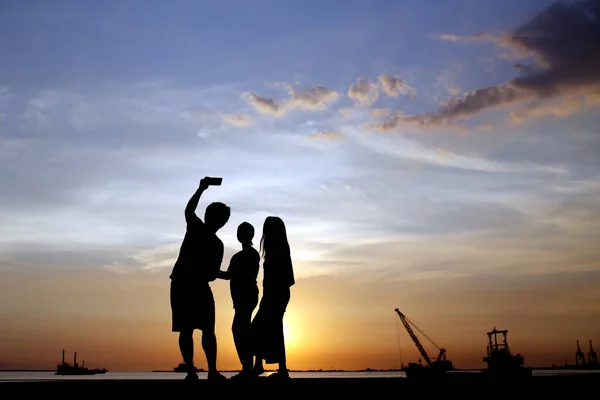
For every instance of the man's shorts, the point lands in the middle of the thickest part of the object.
(192, 306)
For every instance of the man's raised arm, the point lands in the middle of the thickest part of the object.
(190, 209)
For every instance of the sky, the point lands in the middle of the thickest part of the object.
(440, 157)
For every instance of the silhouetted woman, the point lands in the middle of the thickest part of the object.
(267, 326)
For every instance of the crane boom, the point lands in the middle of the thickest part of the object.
(414, 337)
(422, 333)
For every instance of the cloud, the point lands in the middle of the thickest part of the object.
(565, 62)
(552, 236)
(313, 98)
(126, 188)
(239, 120)
(410, 150)
(562, 107)
(159, 257)
(346, 112)
(364, 92)
(380, 112)
(393, 86)
(450, 38)
(262, 104)
(117, 267)
(327, 135)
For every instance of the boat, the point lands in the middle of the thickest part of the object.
(64, 368)
(501, 363)
(418, 371)
(182, 367)
(434, 369)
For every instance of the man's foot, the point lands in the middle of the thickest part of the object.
(243, 375)
(215, 376)
(258, 370)
(279, 375)
(191, 376)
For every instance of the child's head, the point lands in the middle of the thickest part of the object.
(245, 233)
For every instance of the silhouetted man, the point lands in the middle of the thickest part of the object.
(199, 262)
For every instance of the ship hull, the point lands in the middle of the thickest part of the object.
(420, 372)
(61, 370)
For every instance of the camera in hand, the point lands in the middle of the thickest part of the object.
(212, 181)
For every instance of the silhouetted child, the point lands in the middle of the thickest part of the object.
(242, 274)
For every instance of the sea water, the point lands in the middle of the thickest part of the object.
(29, 376)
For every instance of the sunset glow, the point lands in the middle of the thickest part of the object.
(440, 157)
(293, 335)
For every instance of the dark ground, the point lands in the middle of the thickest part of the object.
(373, 388)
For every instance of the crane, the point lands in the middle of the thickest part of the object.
(441, 363)
(579, 356)
(592, 355)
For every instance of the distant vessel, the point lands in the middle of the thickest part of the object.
(65, 368)
(182, 367)
(501, 362)
(433, 369)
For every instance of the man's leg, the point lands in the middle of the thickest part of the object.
(186, 346)
(258, 366)
(282, 363)
(209, 339)
(209, 344)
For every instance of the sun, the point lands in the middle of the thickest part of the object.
(291, 332)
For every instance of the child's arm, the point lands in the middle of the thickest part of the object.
(223, 275)
(227, 274)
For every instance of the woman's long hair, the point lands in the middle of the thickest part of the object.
(274, 238)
